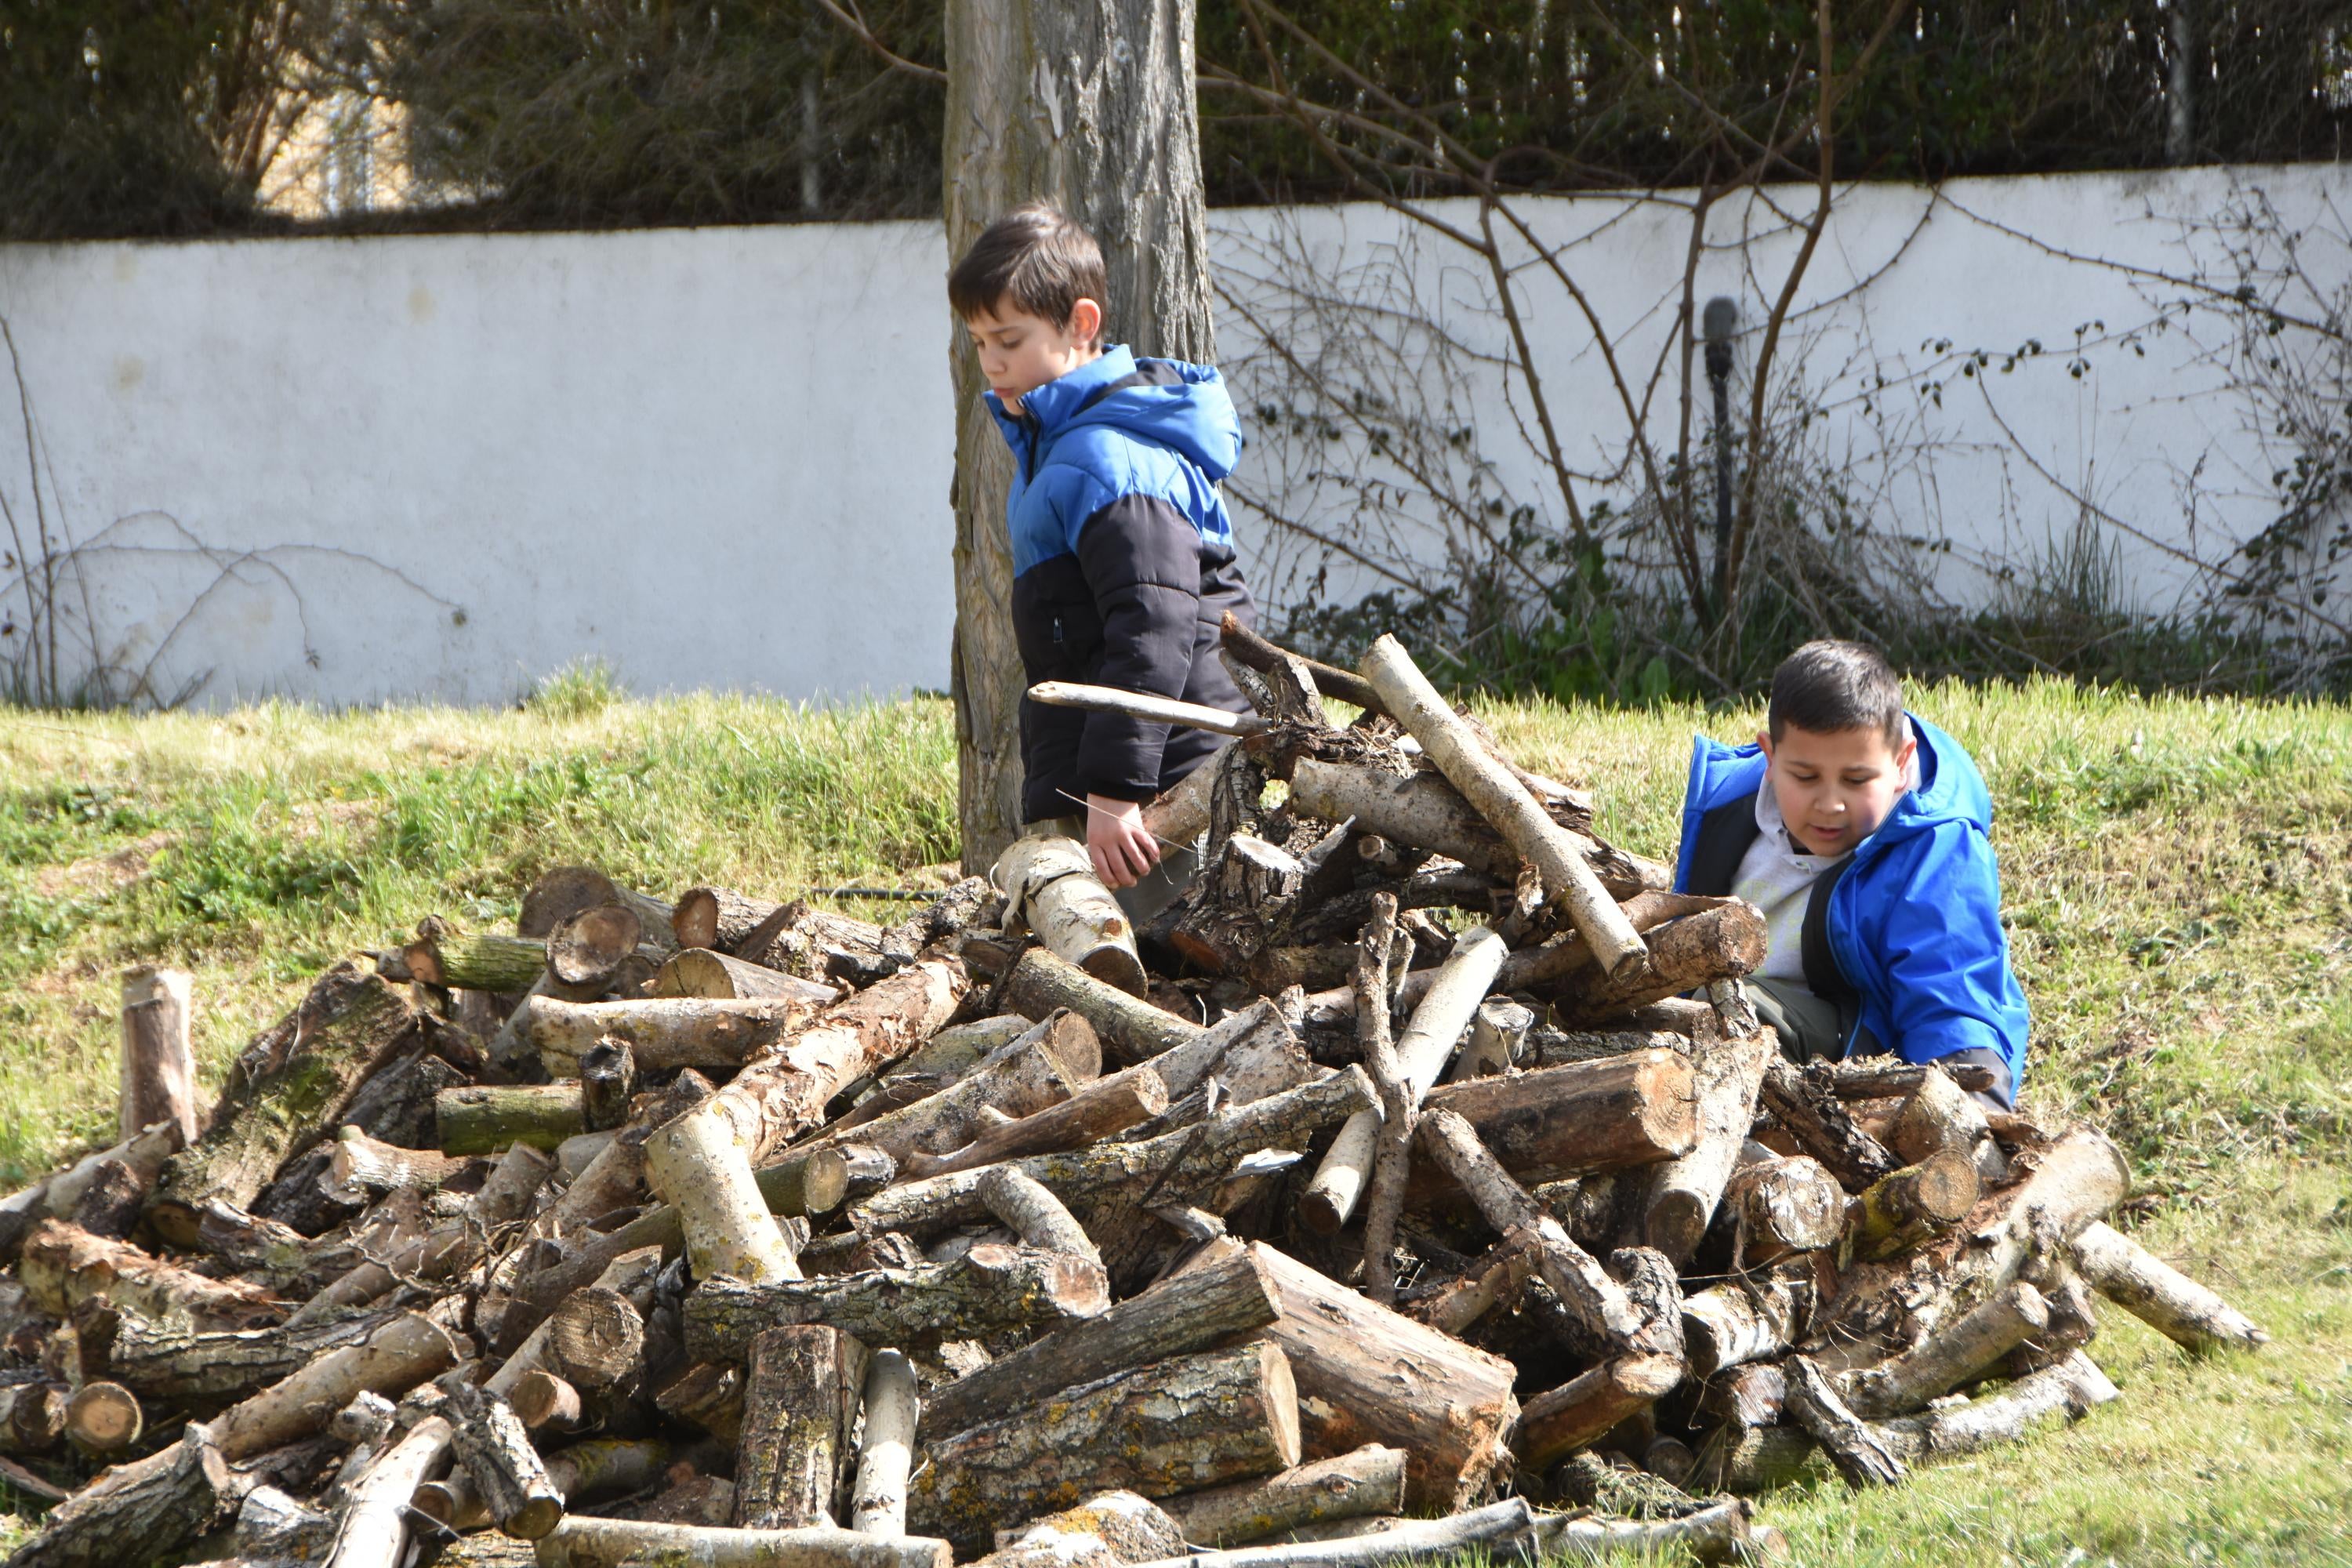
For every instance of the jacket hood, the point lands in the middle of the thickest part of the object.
(1950, 788)
(1170, 402)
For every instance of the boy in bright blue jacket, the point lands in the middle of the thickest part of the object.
(1860, 831)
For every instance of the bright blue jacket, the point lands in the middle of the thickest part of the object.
(1913, 918)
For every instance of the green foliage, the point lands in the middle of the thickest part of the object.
(581, 689)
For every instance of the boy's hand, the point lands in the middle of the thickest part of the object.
(1123, 851)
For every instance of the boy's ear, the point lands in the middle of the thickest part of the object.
(1764, 740)
(1085, 322)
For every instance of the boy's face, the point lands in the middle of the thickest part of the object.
(1020, 353)
(1834, 787)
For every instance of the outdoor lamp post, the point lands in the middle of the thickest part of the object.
(1717, 324)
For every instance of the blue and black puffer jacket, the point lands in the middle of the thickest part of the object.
(1123, 567)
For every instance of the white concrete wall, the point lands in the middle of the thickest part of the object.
(354, 470)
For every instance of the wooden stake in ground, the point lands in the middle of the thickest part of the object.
(159, 1068)
(1422, 1053)
(878, 1505)
(800, 1406)
(1488, 784)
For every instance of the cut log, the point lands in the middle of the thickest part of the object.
(482, 1118)
(842, 1172)
(1905, 1207)
(1598, 1303)
(2074, 1388)
(32, 1417)
(1034, 1215)
(1132, 1029)
(1679, 1196)
(608, 1080)
(1203, 1306)
(396, 1356)
(1746, 1396)
(159, 1068)
(1488, 784)
(565, 891)
(367, 1168)
(587, 948)
(1370, 1480)
(601, 1467)
(1422, 809)
(1721, 943)
(288, 1090)
(166, 1359)
(490, 1440)
(630, 1274)
(1579, 1118)
(718, 919)
(1178, 1424)
(1244, 895)
(541, 1399)
(1421, 1051)
(1807, 1106)
(710, 1397)
(446, 956)
(671, 1032)
(62, 1265)
(1859, 1450)
(110, 1205)
(1753, 1318)
(374, 1529)
(988, 1288)
(1392, 1142)
(1935, 1366)
(1745, 1460)
(1580, 1412)
(1099, 1111)
(1147, 706)
(1495, 1278)
(140, 1512)
(595, 1339)
(800, 1408)
(701, 1163)
(450, 1247)
(699, 971)
(2159, 1295)
(878, 1504)
(1498, 1033)
(1174, 1168)
(1103, 1532)
(1775, 1206)
(1939, 1117)
(583, 1542)
(1252, 1054)
(1368, 1374)
(1049, 886)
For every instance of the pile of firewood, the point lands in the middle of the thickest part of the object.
(1424, 1164)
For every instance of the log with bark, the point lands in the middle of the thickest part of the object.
(1050, 887)
(988, 1288)
(2158, 1294)
(159, 1068)
(801, 1396)
(1107, 1529)
(1370, 1480)
(1579, 1119)
(584, 1542)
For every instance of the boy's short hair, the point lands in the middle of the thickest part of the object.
(1037, 257)
(1828, 687)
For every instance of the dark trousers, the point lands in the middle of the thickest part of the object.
(1808, 1029)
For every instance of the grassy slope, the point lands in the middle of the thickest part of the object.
(2178, 877)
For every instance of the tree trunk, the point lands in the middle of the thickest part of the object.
(159, 1069)
(1090, 105)
(63, 1266)
(163, 1358)
(1202, 1306)
(445, 956)
(1905, 1207)
(1858, 1449)
(1101, 1109)
(1175, 1426)
(139, 1512)
(697, 971)
(1807, 1106)
(800, 1406)
(1370, 1481)
(2074, 1386)
(1776, 1206)
(288, 1090)
(1944, 1360)
(402, 1353)
(374, 1529)
(1749, 1319)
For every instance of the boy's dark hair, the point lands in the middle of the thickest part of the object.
(1828, 687)
(1035, 256)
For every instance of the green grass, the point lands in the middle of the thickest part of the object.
(2178, 876)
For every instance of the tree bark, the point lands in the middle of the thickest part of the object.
(662, 1033)
(402, 1353)
(159, 1068)
(490, 1440)
(1905, 1207)
(1776, 1206)
(482, 1118)
(1175, 1426)
(63, 1266)
(988, 1288)
(800, 1406)
(1746, 1320)
(1034, 1215)
(1939, 1117)
(1423, 810)
(445, 956)
(1722, 943)
(1191, 1312)
(1422, 1053)
(583, 1542)
(165, 1358)
(1132, 1029)
(1393, 1153)
(2159, 1295)
(139, 1513)
(1807, 1106)
(587, 949)
(2074, 1386)
(878, 1504)
(288, 1090)
(1368, 1374)
(1090, 105)
(1106, 1107)
(1944, 1361)
(32, 1417)
(374, 1529)
(1487, 782)
(1859, 1450)
(1370, 1480)
(699, 973)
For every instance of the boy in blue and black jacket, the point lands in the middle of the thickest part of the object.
(1860, 831)
(1122, 551)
